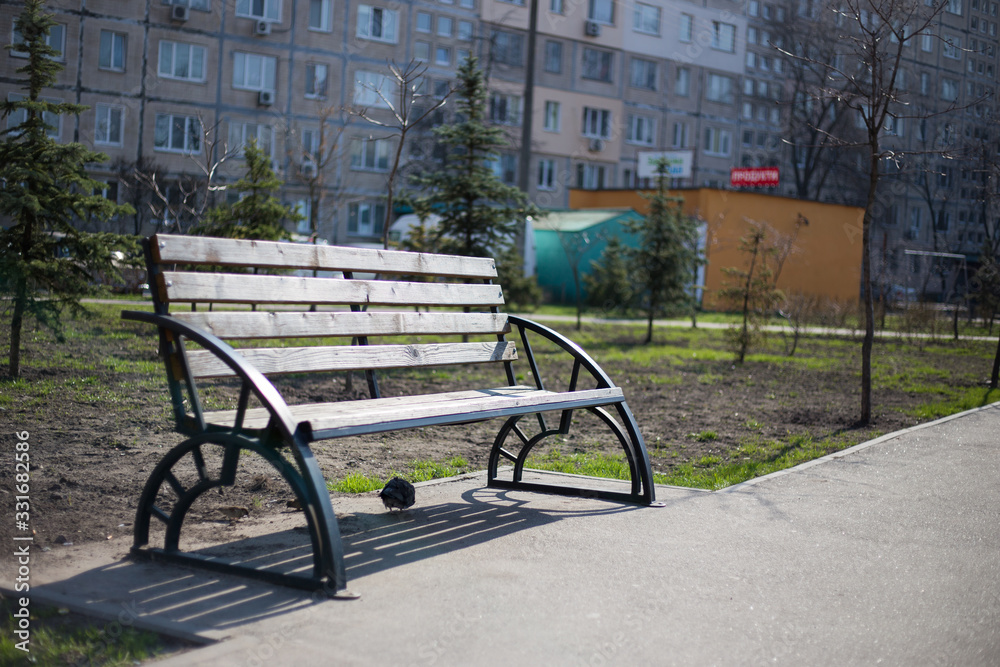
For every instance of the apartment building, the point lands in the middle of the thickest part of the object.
(180, 84)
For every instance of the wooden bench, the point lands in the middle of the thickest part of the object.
(188, 272)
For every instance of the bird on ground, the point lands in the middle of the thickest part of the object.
(398, 494)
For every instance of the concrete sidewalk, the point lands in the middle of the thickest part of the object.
(888, 553)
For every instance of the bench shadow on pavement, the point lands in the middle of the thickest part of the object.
(200, 603)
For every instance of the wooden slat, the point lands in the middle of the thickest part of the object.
(237, 288)
(169, 249)
(242, 325)
(388, 414)
(273, 361)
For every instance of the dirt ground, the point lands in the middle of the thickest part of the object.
(91, 455)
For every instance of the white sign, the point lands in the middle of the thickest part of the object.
(678, 163)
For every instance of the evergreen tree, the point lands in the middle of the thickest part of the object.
(258, 214)
(609, 284)
(46, 264)
(665, 260)
(480, 215)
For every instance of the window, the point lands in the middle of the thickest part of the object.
(315, 80)
(546, 174)
(377, 24)
(56, 40)
(597, 64)
(949, 90)
(556, 6)
(505, 109)
(468, 4)
(422, 50)
(269, 10)
(747, 110)
(370, 154)
(643, 74)
(504, 167)
(108, 128)
(112, 51)
(640, 130)
(955, 7)
(513, 2)
(508, 48)
(423, 22)
(686, 27)
(442, 55)
(465, 30)
(175, 133)
(553, 56)
(720, 88)
(596, 123)
(723, 36)
(320, 15)
(182, 61)
(241, 133)
(365, 219)
(683, 86)
(311, 143)
(680, 135)
(461, 55)
(445, 26)
(646, 18)
(925, 83)
(927, 42)
(951, 46)
(551, 121)
(370, 87)
(601, 10)
(252, 71)
(717, 142)
(590, 176)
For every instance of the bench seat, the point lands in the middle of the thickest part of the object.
(379, 415)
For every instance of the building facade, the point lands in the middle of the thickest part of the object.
(175, 88)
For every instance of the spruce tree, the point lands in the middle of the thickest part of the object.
(480, 215)
(258, 214)
(609, 284)
(665, 261)
(46, 264)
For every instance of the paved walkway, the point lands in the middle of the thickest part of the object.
(888, 554)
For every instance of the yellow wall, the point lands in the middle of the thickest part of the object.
(826, 256)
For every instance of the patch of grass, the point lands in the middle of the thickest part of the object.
(960, 401)
(704, 436)
(67, 639)
(754, 459)
(420, 471)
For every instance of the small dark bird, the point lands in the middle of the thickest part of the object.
(234, 512)
(398, 494)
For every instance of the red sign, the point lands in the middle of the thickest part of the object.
(754, 177)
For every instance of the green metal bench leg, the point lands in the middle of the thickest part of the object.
(307, 485)
(641, 476)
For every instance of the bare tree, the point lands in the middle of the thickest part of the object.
(872, 40)
(184, 198)
(313, 154)
(818, 122)
(408, 107)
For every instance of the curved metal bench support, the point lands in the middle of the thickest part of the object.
(642, 490)
(328, 569)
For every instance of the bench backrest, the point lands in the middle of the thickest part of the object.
(283, 303)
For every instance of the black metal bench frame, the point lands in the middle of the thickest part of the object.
(281, 429)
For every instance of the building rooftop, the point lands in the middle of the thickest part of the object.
(577, 221)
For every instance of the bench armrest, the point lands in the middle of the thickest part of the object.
(580, 357)
(262, 388)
